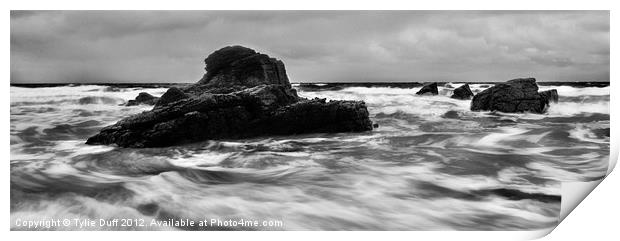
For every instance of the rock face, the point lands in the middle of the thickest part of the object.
(428, 89)
(241, 66)
(173, 94)
(143, 99)
(517, 95)
(462, 93)
(243, 94)
(550, 95)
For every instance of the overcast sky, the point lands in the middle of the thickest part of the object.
(316, 46)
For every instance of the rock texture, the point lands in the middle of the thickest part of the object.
(462, 93)
(240, 66)
(172, 95)
(517, 95)
(243, 94)
(550, 95)
(143, 99)
(428, 89)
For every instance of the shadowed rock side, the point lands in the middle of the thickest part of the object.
(550, 95)
(462, 93)
(173, 94)
(428, 89)
(243, 94)
(517, 95)
(143, 99)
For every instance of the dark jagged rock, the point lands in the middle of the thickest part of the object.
(428, 89)
(243, 94)
(173, 94)
(143, 99)
(517, 95)
(462, 93)
(237, 65)
(550, 95)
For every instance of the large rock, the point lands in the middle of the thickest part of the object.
(243, 94)
(462, 93)
(143, 99)
(517, 95)
(428, 89)
(241, 66)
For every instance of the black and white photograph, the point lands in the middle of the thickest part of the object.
(304, 120)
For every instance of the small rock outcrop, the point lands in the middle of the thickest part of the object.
(517, 95)
(451, 114)
(462, 93)
(428, 89)
(173, 94)
(550, 95)
(143, 99)
(243, 94)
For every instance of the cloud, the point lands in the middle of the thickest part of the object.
(169, 46)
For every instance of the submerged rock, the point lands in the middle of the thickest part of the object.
(462, 93)
(451, 114)
(428, 89)
(517, 95)
(243, 94)
(143, 99)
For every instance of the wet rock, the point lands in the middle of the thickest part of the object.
(148, 209)
(462, 93)
(143, 99)
(550, 95)
(173, 94)
(238, 65)
(514, 96)
(451, 114)
(317, 115)
(428, 89)
(243, 94)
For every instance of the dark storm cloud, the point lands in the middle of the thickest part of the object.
(169, 46)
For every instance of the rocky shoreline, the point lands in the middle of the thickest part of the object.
(243, 94)
(247, 94)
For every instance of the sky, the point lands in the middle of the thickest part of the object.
(315, 46)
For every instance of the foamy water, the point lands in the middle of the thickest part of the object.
(420, 170)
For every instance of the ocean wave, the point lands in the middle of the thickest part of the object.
(432, 164)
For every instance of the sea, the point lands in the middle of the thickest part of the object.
(432, 164)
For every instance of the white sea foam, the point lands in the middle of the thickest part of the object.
(417, 171)
(575, 91)
(564, 109)
(200, 159)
